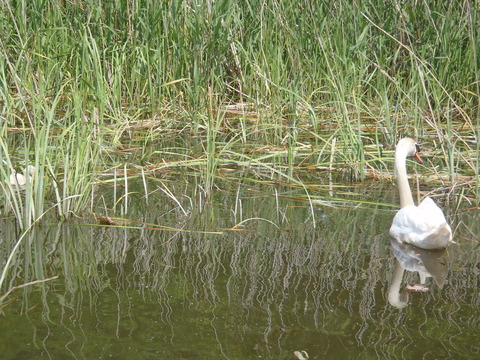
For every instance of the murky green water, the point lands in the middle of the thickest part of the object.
(285, 279)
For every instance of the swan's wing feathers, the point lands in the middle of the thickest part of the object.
(413, 219)
(431, 212)
(424, 226)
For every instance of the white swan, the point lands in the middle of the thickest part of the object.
(19, 180)
(424, 225)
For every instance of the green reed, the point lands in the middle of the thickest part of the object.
(79, 80)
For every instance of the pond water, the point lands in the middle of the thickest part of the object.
(251, 272)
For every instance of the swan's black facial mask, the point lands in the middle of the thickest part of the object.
(417, 155)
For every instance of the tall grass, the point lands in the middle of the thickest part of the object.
(79, 79)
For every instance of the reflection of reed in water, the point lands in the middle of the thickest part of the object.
(236, 289)
(427, 263)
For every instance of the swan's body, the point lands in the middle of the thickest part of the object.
(423, 226)
(19, 180)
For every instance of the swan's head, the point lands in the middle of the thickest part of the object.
(30, 170)
(408, 147)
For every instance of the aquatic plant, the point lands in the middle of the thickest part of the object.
(324, 86)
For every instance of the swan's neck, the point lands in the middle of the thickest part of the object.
(402, 180)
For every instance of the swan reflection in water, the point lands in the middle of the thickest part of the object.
(428, 263)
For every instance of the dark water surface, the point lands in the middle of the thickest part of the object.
(286, 279)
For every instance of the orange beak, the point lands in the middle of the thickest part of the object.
(418, 158)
